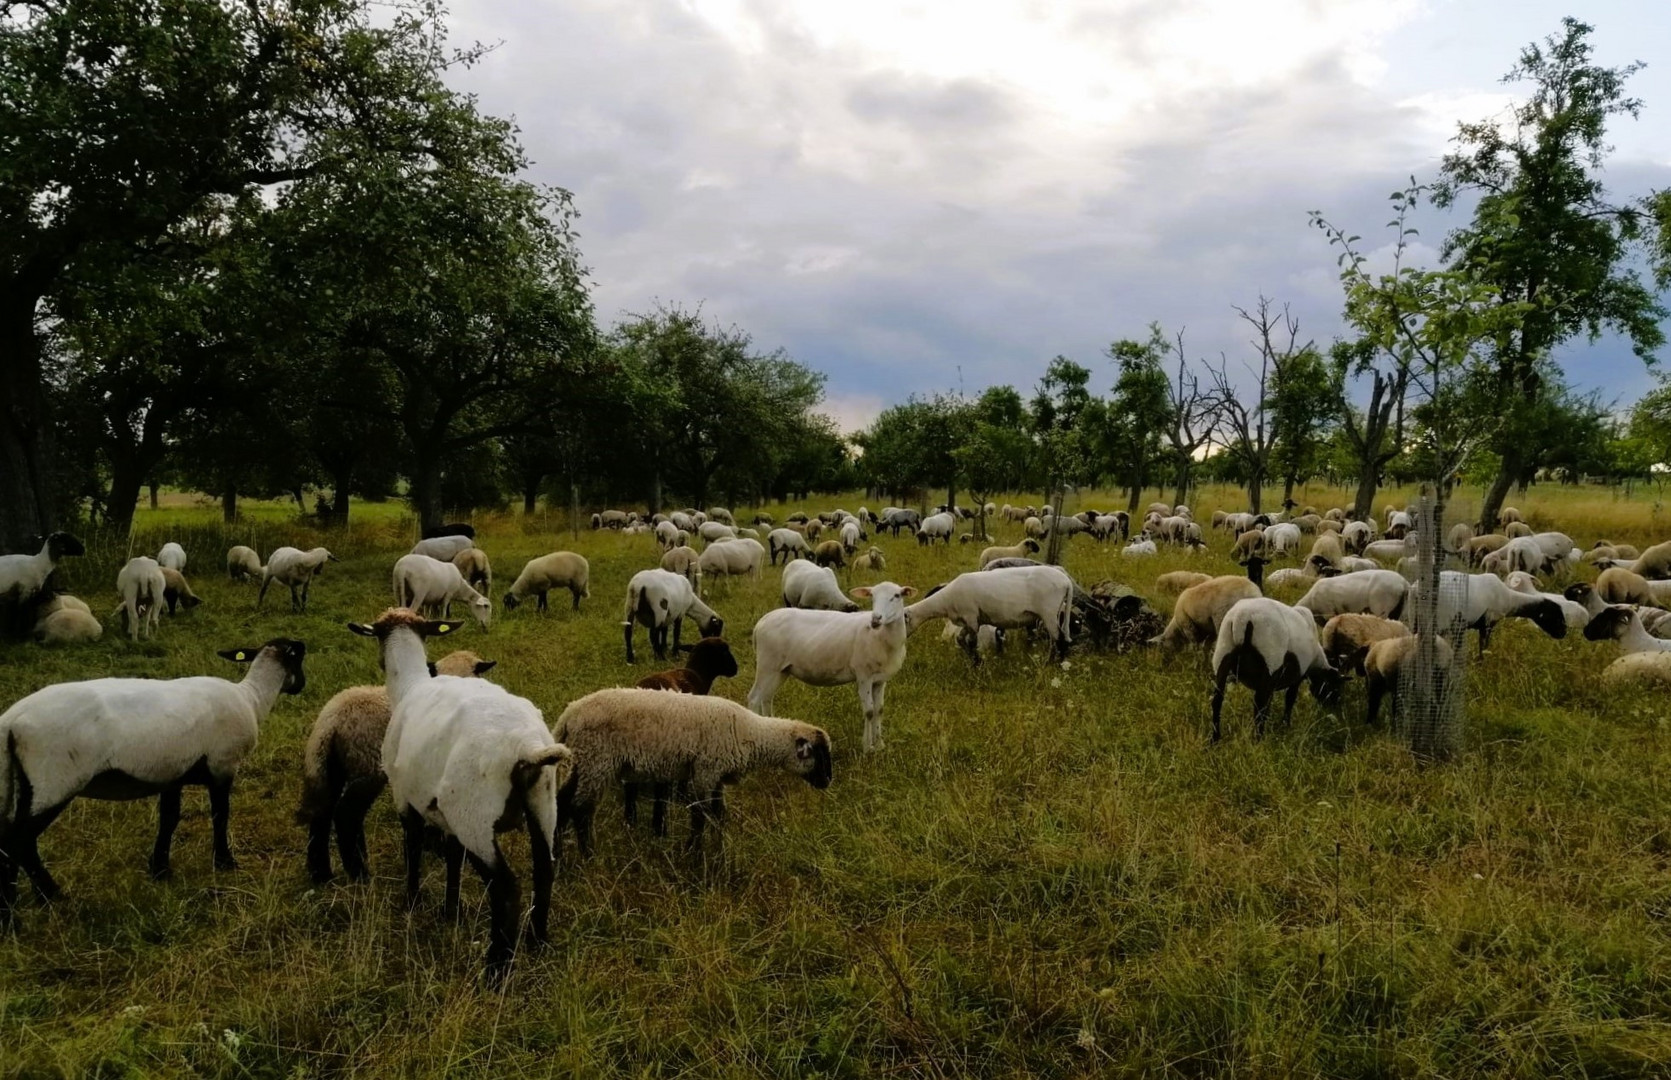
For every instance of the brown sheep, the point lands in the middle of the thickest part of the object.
(829, 553)
(1347, 638)
(176, 591)
(1178, 580)
(710, 659)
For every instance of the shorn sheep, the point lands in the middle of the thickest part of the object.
(473, 760)
(652, 737)
(295, 570)
(172, 557)
(660, 599)
(23, 578)
(421, 582)
(558, 570)
(1013, 598)
(141, 585)
(1268, 646)
(445, 548)
(242, 563)
(122, 739)
(342, 768)
(1019, 551)
(833, 648)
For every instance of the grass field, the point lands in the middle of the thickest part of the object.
(1049, 871)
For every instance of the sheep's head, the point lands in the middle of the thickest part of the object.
(713, 657)
(1327, 686)
(1579, 592)
(396, 619)
(462, 664)
(1610, 624)
(1550, 619)
(812, 756)
(62, 544)
(1030, 544)
(887, 602)
(481, 609)
(289, 652)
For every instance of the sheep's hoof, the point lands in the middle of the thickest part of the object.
(161, 873)
(228, 863)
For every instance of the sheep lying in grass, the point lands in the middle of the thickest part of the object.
(472, 760)
(871, 562)
(295, 570)
(242, 563)
(1268, 646)
(1638, 669)
(64, 620)
(342, 768)
(131, 739)
(23, 578)
(558, 570)
(141, 585)
(652, 737)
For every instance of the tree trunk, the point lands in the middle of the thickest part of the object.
(1495, 494)
(154, 486)
(1255, 492)
(426, 488)
(1053, 553)
(27, 505)
(530, 494)
(1182, 484)
(1136, 497)
(229, 502)
(342, 480)
(1287, 493)
(655, 494)
(126, 479)
(1363, 505)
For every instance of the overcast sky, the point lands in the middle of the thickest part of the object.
(914, 196)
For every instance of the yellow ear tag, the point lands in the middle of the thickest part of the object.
(240, 655)
(443, 628)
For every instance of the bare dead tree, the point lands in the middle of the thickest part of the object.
(1194, 419)
(1246, 416)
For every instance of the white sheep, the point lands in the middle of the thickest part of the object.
(788, 543)
(851, 534)
(296, 570)
(130, 739)
(1282, 539)
(1018, 551)
(1369, 592)
(445, 548)
(813, 588)
(701, 742)
(23, 577)
(1480, 601)
(738, 557)
(1619, 623)
(937, 527)
(1139, 549)
(420, 582)
(668, 534)
(714, 531)
(242, 563)
(1268, 646)
(141, 586)
(558, 570)
(172, 556)
(1577, 615)
(833, 648)
(1012, 598)
(659, 599)
(684, 561)
(473, 760)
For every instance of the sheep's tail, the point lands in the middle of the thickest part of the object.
(1397, 612)
(534, 761)
(316, 765)
(633, 594)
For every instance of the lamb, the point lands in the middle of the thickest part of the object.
(242, 563)
(1268, 646)
(477, 571)
(1346, 639)
(833, 648)
(1369, 592)
(724, 558)
(142, 585)
(1178, 580)
(684, 562)
(295, 569)
(1200, 609)
(172, 557)
(1385, 661)
(422, 582)
(558, 570)
(342, 768)
(1139, 548)
(989, 640)
(813, 588)
(660, 598)
(651, 737)
(444, 548)
(831, 553)
(473, 760)
(1010, 599)
(1577, 615)
(871, 562)
(1621, 624)
(23, 578)
(176, 591)
(129, 739)
(1110, 525)
(1019, 551)
(787, 543)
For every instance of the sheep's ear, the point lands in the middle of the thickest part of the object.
(238, 656)
(860, 593)
(907, 590)
(484, 666)
(432, 669)
(362, 629)
(438, 628)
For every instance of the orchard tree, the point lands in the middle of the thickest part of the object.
(1137, 414)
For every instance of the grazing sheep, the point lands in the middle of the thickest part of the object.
(1289, 577)
(813, 588)
(421, 582)
(1619, 623)
(342, 768)
(1012, 598)
(709, 659)
(1178, 580)
(141, 585)
(1326, 550)
(558, 570)
(612, 519)
(172, 557)
(296, 570)
(669, 535)
(871, 562)
(1516, 529)
(1653, 564)
(1346, 638)
(833, 648)
(831, 553)
(444, 548)
(937, 527)
(176, 591)
(477, 571)
(472, 760)
(1370, 592)
(787, 543)
(1268, 646)
(1457, 540)
(1250, 543)
(714, 532)
(990, 639)
(651, 737)
(1385, 660)
(23, 578)
(1200, 609)
(721, 515)
(130, 739)
(1616, 585)
(1577, 615)
(1019, 551)
(851, 534)
(1355, 534)
(659, 599)
(1480, 601)
(733, 558)
(242, 563)
(1509, 514)
(684, 561)
(1481, 546)
(1389, 550)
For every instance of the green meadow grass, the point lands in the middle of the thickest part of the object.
(1048, 872)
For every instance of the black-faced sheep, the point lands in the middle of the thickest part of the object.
(1268, 646)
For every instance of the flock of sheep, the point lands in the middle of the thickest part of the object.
(465, 760)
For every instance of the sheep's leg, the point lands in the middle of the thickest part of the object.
(454, 854)
(1288, 705)
(1375, 692)
(629, 803)
(505, 904)
(220, 815)
(262, 595)
(27, 856)
(351, 809)
(1261, 712)
(574, 594)
(760, 695)
(319, 843)
(540, 605)
(412, 833)
(168, 819)
(701, 810)
(658, 813)
(678, 626)
(872, 714)
(544, 870)
(1218, 707)
(8, 885)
